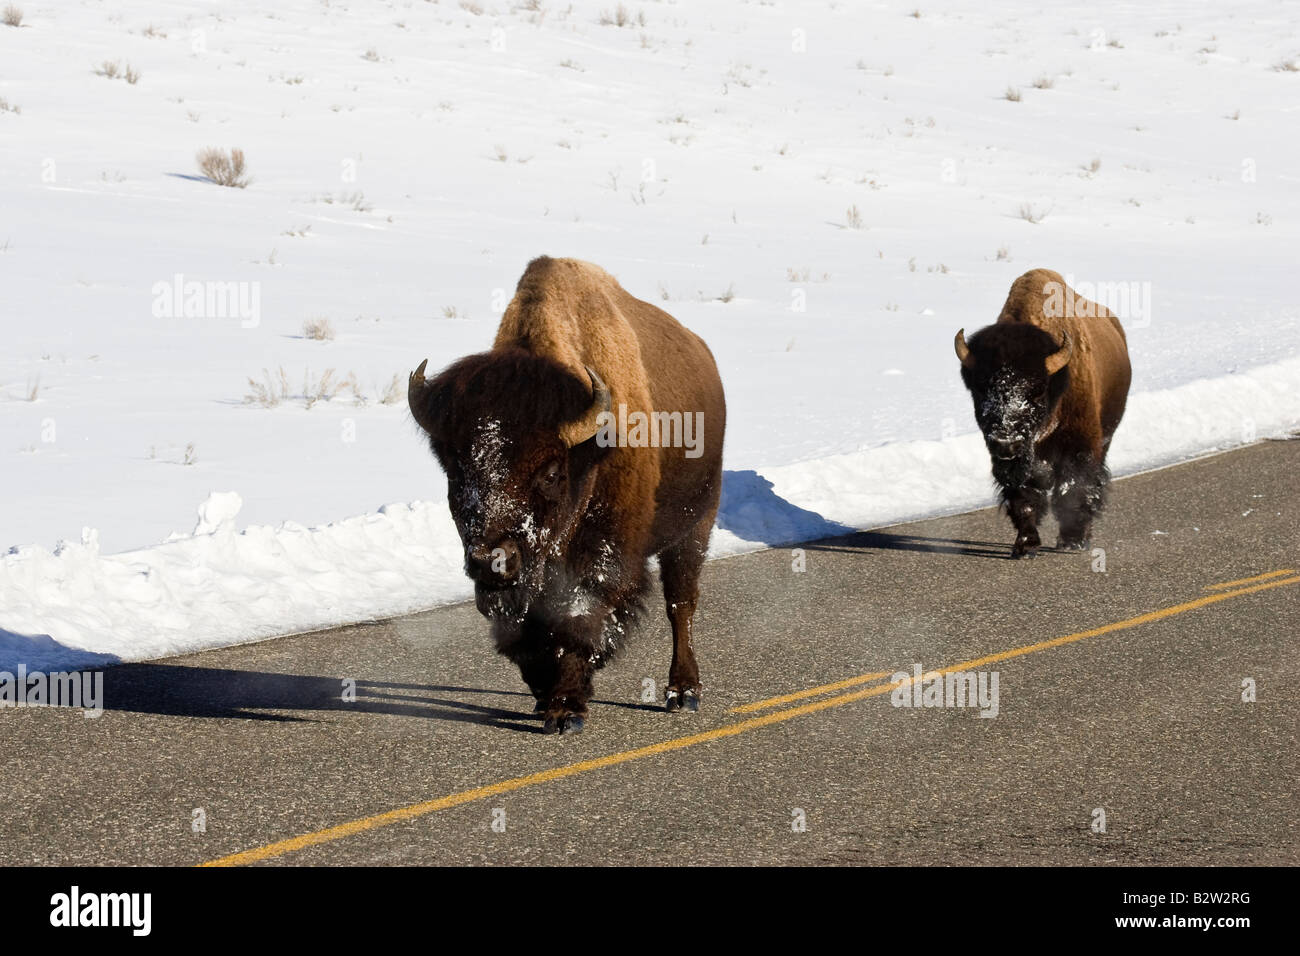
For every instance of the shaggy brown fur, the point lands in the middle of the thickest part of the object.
(1048, 428)
(1099, 368)
(572, 523)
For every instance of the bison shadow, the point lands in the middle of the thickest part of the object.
(751, 510)
(180, 690)
(40, 652)
(860, 541)
(889, 541)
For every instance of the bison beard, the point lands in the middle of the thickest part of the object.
(557, 528)
(1073, 483)
(1049, 391)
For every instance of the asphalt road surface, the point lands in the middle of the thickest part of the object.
(1120, 695)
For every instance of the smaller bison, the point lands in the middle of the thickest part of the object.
(558, 509)
(1049, 381)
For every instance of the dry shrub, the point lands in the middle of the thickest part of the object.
(621, 17)
(395, 391)
(224, 169)
(318, 330)
(321, 390)
(273, 389)
(269, 392)
(1031, 213)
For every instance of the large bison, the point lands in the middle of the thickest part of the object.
(588, 439)
(1049, 380)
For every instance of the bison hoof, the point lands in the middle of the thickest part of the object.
(688, 700)
(568, 724)
(1026, 546)
(1072, 544)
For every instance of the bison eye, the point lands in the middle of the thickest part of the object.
(548, 479)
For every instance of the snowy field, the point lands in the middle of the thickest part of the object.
(825, 192)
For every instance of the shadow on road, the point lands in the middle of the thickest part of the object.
(182, 691)
(887, 541)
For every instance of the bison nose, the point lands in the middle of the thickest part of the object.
(497, 564)
(1005, 448)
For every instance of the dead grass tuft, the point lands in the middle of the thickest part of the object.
(318, 330)
(224, 169)
(273, 389)
(621, 17)
(1031, 213)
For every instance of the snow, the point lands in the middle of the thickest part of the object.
(825, 192)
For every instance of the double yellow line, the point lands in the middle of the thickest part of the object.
(1221, 592)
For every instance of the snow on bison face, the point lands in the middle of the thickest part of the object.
(1016, 375)
(511, 501)
(516, 437)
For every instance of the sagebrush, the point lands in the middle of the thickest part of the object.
(224, 168)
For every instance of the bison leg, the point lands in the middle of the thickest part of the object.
(539, 672)
(1025, 507)
(1077, 500)
(566, 705)
(679, 569)
(561, 680)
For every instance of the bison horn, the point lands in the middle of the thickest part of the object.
(415, 391)
(963, 350)
(1058, 359)
(579, 430)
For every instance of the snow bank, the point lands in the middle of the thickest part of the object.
(219, 586)
(901, 481)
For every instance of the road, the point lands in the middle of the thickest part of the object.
(1119, 693)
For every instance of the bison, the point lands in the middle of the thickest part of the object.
(588, 439)
(1049, 381)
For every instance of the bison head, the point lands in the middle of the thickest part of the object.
(1016, 374)
(515, 433)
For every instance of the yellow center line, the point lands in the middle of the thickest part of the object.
(1258, 577)
(353, 827)
(810, 692)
